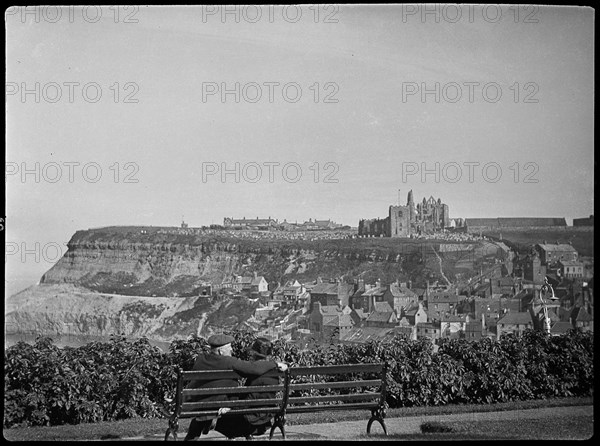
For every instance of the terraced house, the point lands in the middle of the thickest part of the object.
(333, 293)
(570, 269)
(558, 252)
(440, 303)
(514, 322)
(329, 321)
(382, 316)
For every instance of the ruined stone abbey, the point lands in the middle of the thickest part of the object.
(403, 221)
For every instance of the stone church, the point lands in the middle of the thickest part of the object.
(403, 221)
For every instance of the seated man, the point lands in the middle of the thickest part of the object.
(220, 358)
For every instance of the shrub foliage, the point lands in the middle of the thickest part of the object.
(105, 381)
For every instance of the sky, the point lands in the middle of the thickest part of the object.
(150, 115)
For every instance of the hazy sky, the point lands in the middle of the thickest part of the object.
(116, 117)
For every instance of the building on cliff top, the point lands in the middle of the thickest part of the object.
(474, 225)
(428, 216)
(550, 253)
(243, 223)
(587, 221)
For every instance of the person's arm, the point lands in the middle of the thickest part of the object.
(252, 368)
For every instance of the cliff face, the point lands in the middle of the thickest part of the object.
(159, 264)
(69, 310)
(146, 281)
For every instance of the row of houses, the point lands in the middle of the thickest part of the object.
(249, 285)
(334, 310)
(558, 260)
(471, 318)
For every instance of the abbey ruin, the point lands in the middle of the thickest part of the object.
(403, 221)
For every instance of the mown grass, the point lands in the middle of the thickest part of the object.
(522, 429)
(569, 428)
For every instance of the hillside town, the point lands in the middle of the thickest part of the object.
(416, 273)
(504, 286)
(545, 288)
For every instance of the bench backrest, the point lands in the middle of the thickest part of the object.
(210, 399)
(300, 389)
(334, 387)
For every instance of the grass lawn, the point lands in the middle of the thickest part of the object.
(536, 429)
(563, 428)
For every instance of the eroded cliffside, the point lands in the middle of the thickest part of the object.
(69, 310)
(146, 281)
(120, 261)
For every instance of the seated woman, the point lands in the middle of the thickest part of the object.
(252, 424)
(261, 349)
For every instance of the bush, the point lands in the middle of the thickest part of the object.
(119, 379)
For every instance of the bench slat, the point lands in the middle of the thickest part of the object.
(324, 398)
(213, 413)
(336, 385)
(336, 369)
(208, 375)
(231, 404)
(232, 390)
(304, 409)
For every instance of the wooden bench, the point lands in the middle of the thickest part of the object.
(300, 391)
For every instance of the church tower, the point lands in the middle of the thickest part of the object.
(410, 203)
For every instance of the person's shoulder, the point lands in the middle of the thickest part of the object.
(255, 367)
(201, 358)
(234, 360)
(212, 361)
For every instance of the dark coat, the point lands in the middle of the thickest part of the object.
(260, 419)
(230, 426)
(212, 361)
(246, 369)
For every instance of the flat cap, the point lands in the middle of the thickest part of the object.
(217, 340)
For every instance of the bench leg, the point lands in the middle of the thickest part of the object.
(172, 429)
(377, 415)
(278, 422)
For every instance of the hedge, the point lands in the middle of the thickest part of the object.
(103, 381)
